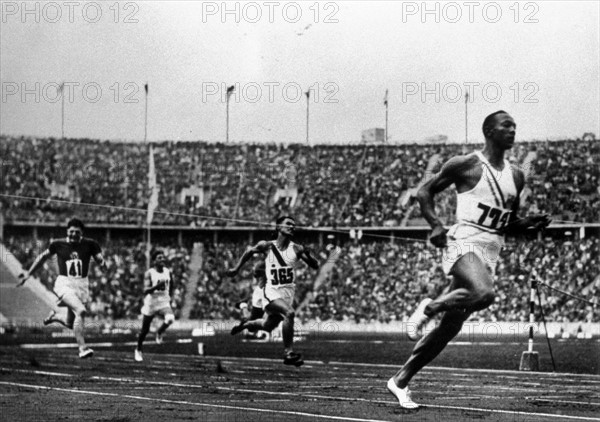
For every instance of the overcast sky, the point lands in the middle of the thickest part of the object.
(537, 60)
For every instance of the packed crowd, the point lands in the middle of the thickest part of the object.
(333, 185)
(370, 281)
(568, 265)
(384, 281)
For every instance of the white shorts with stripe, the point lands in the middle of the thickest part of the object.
(74, 289)
(153, 306)
(463, 238)
(286, 292)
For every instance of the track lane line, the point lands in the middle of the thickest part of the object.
(317, 396)
(313, 416)
(315, 362)
(562, 401)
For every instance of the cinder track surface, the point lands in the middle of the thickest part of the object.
(240, 381)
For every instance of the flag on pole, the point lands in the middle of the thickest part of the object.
(146, 88)
(307, 93)
(385, 99)
(154, 188)
(60, 89)
(230, 91)
(467, 97)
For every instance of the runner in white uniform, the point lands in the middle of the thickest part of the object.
(282, 256)
(482, 214)
(158, 289)
(281, 278)
(488, 200)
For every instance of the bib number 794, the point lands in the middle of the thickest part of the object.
(493, 218)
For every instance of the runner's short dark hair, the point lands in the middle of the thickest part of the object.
(76, 222)
(283, 218)
(156, 253)
(488, 121)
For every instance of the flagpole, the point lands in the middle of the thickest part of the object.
(466, 117)
(62, 118)
(307, 93)
(230, 90)
(150, 157)
(385, 103)
(386, 121)
(228, 93)
(148, 231)
(227, 121)
(146, 115)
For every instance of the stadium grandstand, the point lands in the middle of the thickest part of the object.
(216, 198)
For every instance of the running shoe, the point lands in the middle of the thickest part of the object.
(50, 318)
(86, 353)
(293, 358)
(402, 394)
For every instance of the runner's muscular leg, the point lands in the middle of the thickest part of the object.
(70, 318)
(275, 312)
(65, 320)
(472, 288)
(146, 321)
(75, 317)
(285, 310)
(168, 319)
(431, 345)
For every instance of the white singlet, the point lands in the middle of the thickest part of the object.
(281, 278)
(481, 214)
(159, 299)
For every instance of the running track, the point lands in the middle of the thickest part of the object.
(49, 384)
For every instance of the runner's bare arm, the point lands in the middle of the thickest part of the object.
(39, 261)
(148, 288)
(305, 255)
(449, 174)
(100, 260)
(260, 247)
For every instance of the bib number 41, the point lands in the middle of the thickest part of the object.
(74, 268)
